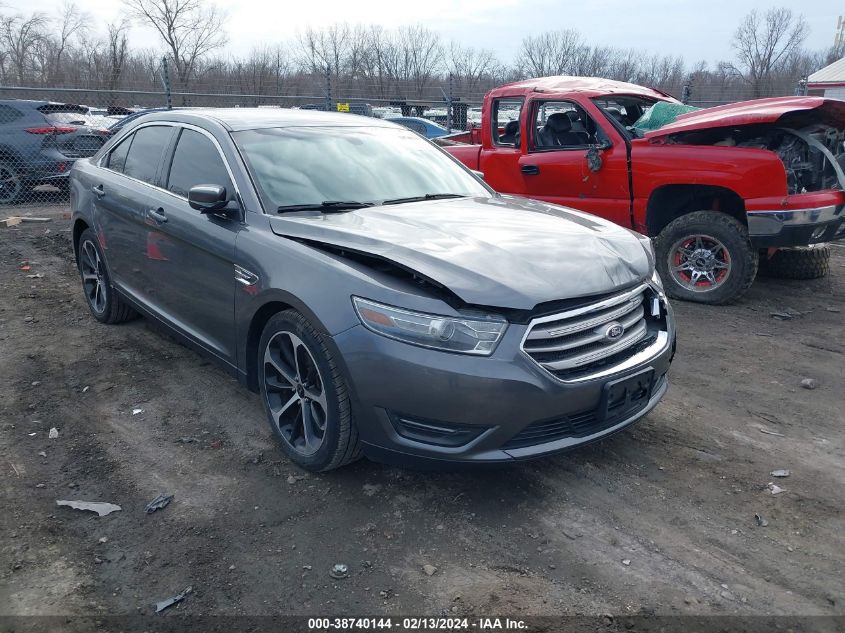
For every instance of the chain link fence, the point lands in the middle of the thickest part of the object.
(43, 130)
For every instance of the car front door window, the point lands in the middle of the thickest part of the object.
(196, 161)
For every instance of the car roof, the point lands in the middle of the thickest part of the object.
(235, 119)
(589, 86)
(32, 103)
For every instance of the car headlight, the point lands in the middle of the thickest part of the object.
(452, 334)
(648, 247)
(656, 280)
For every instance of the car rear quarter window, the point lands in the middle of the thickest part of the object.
(145, 153)
(196, 161)
(8, 114)
(117, 157)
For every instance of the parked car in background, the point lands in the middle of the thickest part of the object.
(378, 295)
(119, 124)
(386, 112)
(105, 117)
(720, 189)
(421, 126)
(39, 141)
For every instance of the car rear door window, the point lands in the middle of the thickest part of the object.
(145, 154)
(196, 161)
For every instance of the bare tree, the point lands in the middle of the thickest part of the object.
(380, 63)
(20, 37)
(421, 56)
(72, 23)
(321, 49)
(189, 29)
(764, 45)
(469, 66)
(550, 53)
(118, 48)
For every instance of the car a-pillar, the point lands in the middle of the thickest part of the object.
(701, 242)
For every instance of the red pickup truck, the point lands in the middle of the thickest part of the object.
(721, 190)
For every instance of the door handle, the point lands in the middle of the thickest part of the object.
(530, 170)
(157, 215)
(98, 191)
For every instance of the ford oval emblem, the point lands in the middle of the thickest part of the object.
(613, 331)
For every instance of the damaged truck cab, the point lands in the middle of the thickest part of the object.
(721, 190)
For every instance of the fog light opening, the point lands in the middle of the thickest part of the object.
(435, 433)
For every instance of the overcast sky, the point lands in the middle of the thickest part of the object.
(693, 29)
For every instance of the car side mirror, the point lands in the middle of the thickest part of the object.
(208, 198)
(594, 161)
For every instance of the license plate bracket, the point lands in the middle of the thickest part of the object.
(624, 397)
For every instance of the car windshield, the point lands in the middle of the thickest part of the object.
(311, 165)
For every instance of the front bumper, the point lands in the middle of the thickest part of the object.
(493, 399)
(797, 227)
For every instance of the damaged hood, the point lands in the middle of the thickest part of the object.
(795, 111)
(502, 251)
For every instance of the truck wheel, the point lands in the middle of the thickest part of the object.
(805, 262)
(706, 257)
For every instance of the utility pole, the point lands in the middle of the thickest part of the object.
(328, 88)
(165, 79)
(839, 38)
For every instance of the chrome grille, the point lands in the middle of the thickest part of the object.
(572, 344)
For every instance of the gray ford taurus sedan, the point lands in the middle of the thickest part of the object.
(380, 297)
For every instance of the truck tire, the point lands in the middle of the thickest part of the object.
(804, 262)
(706, 257)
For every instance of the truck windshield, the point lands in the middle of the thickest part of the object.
(310, 165)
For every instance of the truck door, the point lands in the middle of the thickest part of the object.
(502, 146)
(570, 159)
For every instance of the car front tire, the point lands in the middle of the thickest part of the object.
(304, 394)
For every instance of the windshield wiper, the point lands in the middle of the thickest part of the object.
(428, 196)
(327, 206)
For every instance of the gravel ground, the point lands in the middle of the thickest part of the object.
(659, 519)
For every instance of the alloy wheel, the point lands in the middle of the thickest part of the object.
(295, 393)
(10, 184)
(93, 276)
(699, 263)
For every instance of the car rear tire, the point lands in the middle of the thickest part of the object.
(805, 262)
(105, 304)
(706, 257)
(305, 397)
(13, 188)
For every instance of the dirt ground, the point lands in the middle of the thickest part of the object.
(658, 519)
